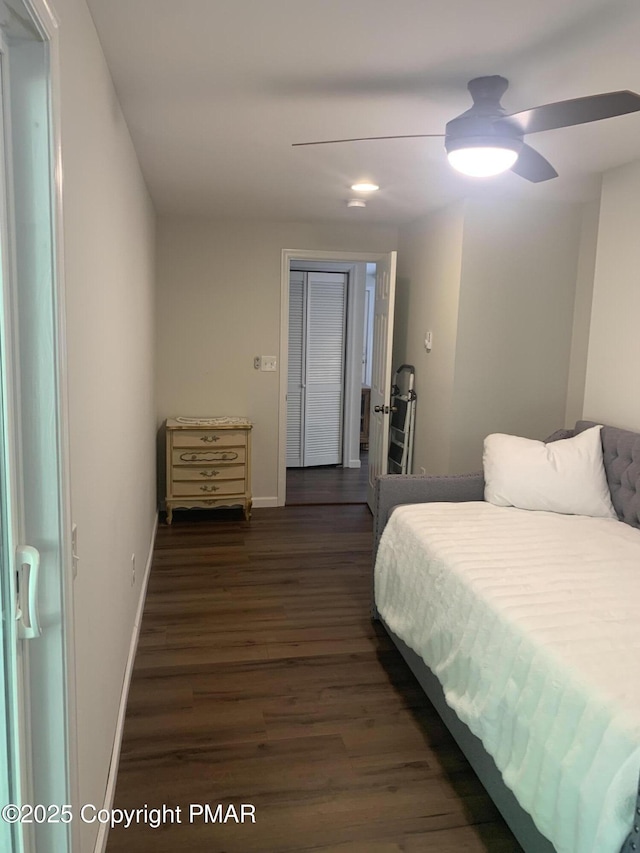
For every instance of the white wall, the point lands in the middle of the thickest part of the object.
(427, 293)
(109, 259)
(494, 280)
(612, 389)
(219, 306)
(519, 268)
(582, 312)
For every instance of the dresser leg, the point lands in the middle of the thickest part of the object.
(169, 514)
(247, 510)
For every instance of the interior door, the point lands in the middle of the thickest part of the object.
(324, 373)
(381, 371)
(316, 365)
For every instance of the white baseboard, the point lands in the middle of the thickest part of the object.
(353, 463)
(261, 503)
(103, 832)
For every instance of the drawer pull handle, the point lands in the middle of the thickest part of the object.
(213, 473)
(209, 456)
(209, 488)
(210, 438)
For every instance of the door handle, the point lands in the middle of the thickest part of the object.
(385, 409)
(27, 611)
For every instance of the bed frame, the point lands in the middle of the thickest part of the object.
(621, 451)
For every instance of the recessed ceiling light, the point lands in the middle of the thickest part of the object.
(364, 187)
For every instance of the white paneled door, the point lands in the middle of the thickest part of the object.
(317, 333)
(381, 371)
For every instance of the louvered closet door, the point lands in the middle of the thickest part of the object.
(295, 385)
(325, 356)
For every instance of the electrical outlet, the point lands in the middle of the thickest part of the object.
(268, 362)
(133, 569)
(265, 362)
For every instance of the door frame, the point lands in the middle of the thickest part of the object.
(304, 256)
(47, 24)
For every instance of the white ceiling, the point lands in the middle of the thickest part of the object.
(215, 92)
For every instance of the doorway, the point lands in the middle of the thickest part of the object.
(352, 482)
(326, 457)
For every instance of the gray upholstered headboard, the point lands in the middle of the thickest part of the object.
(621, 450)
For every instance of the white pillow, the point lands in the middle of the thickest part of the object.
(563, 476)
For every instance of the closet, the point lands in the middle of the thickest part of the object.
(315, 392)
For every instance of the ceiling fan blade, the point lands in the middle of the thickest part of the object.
(370, 139)
(533, 166)
(576, 111)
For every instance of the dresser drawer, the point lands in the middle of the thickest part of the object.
(208, 473)
(194, 489)
(209, 438)
(195, 456)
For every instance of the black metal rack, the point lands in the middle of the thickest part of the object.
(401, 427)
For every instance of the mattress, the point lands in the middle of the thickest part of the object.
(530, 622)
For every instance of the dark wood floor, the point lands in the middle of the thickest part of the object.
(260, 679)
(328, 484)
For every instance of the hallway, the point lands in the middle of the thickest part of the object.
(328, 484)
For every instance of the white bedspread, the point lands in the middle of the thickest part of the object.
(531, 621)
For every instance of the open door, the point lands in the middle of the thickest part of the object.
(381, 371)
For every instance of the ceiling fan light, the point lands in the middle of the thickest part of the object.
(482, 161)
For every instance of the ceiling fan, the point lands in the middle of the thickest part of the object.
(485, 140)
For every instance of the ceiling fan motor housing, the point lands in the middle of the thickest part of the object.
(479, 135)
(486, 123)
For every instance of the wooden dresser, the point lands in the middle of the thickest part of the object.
(208, 463)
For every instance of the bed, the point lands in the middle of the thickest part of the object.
(521, 627)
